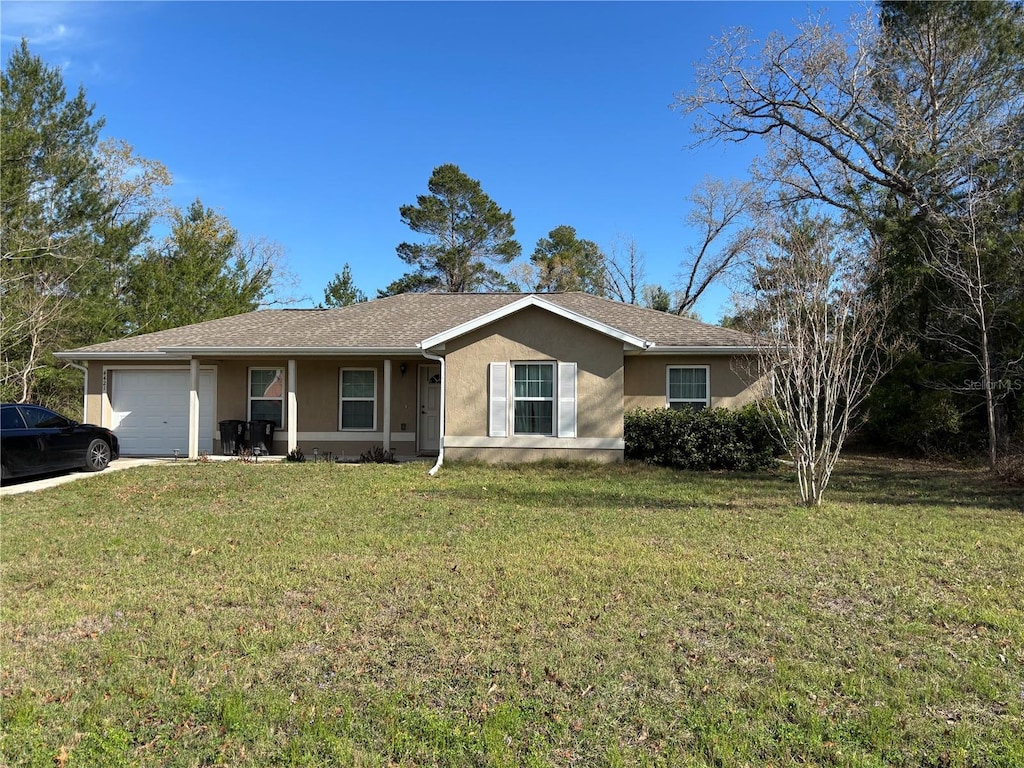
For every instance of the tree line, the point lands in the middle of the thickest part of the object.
(890, 246)
(468, 245)
(81, 260)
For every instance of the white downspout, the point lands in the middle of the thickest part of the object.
(293, 407)
(193, 409)
(387, 405)
(85, 388)
(440, 439)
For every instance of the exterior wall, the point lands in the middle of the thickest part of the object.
(232, 381)
(531, 335)
(317, 400)
(94, 394)
(645, 380)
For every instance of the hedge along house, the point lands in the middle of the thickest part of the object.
(495, 377)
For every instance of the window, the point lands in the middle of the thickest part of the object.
(10, 418)
(688, 387)
(534, 397)
(358, 398)
(531, 409)
(266, 395)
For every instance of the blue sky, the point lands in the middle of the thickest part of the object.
(311, 123)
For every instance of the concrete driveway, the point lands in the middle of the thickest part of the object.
(30, 484)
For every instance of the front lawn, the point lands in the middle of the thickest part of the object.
(300, 614)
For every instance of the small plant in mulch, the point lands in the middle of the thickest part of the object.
(377, 455)
(204, 458)
(246, 456)
(296, 455)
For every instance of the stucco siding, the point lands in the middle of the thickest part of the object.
(232, 388)
(94, 394)
(535, 335)
(645, 378)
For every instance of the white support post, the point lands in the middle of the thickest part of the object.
(193, 409)
(387, 405)
(293, 409)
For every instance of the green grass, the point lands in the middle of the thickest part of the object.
(299, 614)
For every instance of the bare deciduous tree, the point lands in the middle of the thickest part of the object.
(718, 210)
(891, 106)
(820, 335)
(966, 315)
(625, 269)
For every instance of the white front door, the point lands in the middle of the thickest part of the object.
(429, 427)
(150, 411)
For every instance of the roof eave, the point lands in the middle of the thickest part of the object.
(691, 349)
(100, 355)
(184, 353)
(291, 351)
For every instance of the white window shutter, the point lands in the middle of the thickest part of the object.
(498, 421)
(567, 399)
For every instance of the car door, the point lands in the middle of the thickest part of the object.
(61, 443)
(21, 446)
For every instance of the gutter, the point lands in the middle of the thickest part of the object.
(440, 440)
(287, 351)
(693, 350)
(139, 356)
(187, 353)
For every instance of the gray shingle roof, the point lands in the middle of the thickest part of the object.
(400, 322)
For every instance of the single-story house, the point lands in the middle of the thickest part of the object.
(489, 376)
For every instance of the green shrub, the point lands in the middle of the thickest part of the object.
(706, 439)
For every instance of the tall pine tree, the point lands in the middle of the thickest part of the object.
(469, 238)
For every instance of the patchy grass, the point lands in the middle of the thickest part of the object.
(300, 614)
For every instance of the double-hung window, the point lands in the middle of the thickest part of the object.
(534, 399)
(358, 398)
(688, 387)
(266, 395)
(531, 400)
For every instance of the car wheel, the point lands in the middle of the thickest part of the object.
(97, 456)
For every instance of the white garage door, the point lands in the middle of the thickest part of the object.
(150, 412)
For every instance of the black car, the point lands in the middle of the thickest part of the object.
(35, 440)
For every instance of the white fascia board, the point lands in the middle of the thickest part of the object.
(521, 304)
(185, 353)
(159, 355)
(690, 350)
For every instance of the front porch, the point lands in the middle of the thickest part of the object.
(338, 405)
(338, 408)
